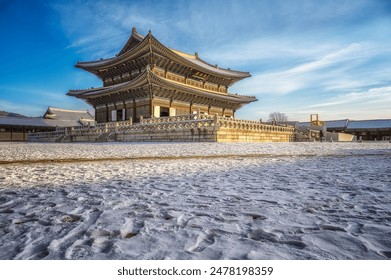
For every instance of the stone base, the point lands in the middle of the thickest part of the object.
(186, 128)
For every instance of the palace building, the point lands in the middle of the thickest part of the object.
(149, 79)
(154, 93)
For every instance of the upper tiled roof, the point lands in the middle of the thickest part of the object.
(136, 40)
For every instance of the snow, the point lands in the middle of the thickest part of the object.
(195, 201)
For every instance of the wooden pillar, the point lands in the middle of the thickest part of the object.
(107, 113)
(134, 110)
(124, 115)
(152, 109)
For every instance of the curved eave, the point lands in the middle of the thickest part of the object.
(199, 64)
(195, 63)
(195, 59)
(95, 66)
(177, 86)
(141, 80)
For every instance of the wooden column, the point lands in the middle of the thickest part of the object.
(152, 110)
(107, 113)
(134, 110)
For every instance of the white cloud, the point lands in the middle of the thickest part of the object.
(100, 28)
(372, 103)
(327, 70)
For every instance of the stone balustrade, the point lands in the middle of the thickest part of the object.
(180, 118)
(252, 125)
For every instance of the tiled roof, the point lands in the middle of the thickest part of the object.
(352, 125)
(337, 124)
(66, 115)
(194, 60)
(369, 124)
(32, 122)
(52, 118)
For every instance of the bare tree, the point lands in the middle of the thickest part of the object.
(277, 117)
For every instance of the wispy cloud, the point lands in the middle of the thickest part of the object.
(373, 103)
(370, 104)
(372, 96)
(100, 28)
(326, 72)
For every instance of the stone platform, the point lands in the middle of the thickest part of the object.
(184, 128)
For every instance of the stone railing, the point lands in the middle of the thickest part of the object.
(252, 125)
(180, 118)
(60, 131)
(172, 123)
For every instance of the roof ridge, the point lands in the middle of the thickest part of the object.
(222, 68)
(67, 110)
(370, 120)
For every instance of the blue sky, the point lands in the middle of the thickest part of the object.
(326, 57)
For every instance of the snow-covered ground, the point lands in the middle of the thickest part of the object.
(247, 201)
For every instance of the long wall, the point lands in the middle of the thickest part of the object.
(13, 136)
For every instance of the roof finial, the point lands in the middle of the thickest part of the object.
(134, 31)
(149, 32)
(196, 54)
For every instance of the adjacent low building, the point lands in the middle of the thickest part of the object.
(370, 129)
(18, 128)
(366, 130)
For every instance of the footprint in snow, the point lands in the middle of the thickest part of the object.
(131, 228)
(261, 235)
(203, 242)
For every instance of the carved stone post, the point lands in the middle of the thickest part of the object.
(216, 122)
